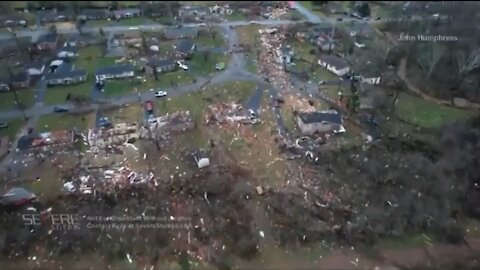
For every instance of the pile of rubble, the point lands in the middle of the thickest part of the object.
(100, 180)
(226, 113)
(117, 135)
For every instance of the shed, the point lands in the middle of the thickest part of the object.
(201, 159)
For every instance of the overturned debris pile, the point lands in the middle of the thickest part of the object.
(119, 134)
(180, 121)
(226, 113)
(100, 180)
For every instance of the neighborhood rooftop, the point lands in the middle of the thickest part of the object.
(114, 69)
(65, 74)
(335, 61)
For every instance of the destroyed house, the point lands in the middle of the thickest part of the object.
(183, 32)
(160, 66)
(334, 64)
(115, 72)
(20, 80)
(46, 139)
(66, 77)
(311, 123)
(16, 197)
(117, 135)
(47, 42)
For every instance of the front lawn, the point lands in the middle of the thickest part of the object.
(426, 114)
(125, 22)
(235, 16)
(198, 101)
(208, 40)
(203, 63)
(26, 97)
(14, 126)
(64, 121)
(91, 58)
(178, 77)
(58, 94)
(122, 87)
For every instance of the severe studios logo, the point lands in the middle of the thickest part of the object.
(54, 221)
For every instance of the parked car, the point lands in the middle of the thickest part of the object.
(60, 109)
(160, 94)
(321, 82)
(220, 66)
(339, 19)
(377, 18)
(182, 65)
(3, 125)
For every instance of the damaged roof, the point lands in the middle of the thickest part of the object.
(115, 69)
(317, 117)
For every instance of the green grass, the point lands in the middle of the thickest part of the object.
(14, 126)
(125, 22)
(197, 102)
(406, 241)
(122, 87)
(58, 94)
(204, 66)
(236, 16)
(90, 58)
(61, 122)
(426, 114)
(209, 41)
(26, 96)
(178, 77)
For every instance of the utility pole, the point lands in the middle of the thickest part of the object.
(332, 34)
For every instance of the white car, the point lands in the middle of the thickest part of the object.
(182, 65)
(160, 94)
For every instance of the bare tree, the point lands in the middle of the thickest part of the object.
(429, 55)
(464, 64)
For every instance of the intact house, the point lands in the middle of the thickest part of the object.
(115, 72)
(67, 52)
(184, 49)
(161, 66)
(47, 42)
(311, 123)
(334, 64)
(20, 80)
(65, 77)
(35, 68)
(126, 13)
(182, 32)
(93, 14)
(55, 16)
(285, 54)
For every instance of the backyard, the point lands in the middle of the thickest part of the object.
(426, 114)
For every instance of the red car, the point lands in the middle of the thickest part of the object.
(149, 106)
